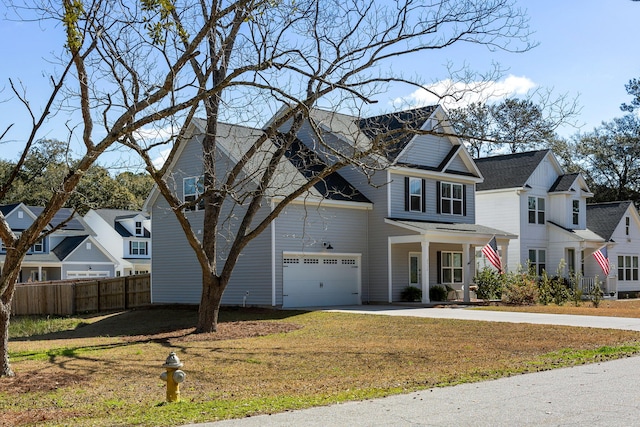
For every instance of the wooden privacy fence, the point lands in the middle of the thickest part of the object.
(81, 296)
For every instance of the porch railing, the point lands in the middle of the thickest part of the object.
(608, 286)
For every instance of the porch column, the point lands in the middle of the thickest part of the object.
(425, 270)
(503, 258)
(466, 265)
(39, 273)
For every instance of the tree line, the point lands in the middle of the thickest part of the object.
(608, 156)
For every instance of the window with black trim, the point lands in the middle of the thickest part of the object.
(626, 228)
(193, 187)
(536, 210)
(627, 268)
(451, 198)
(414, 196)
(138, 248)
(576, 212)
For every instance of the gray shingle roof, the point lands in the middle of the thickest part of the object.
(564, 182)
(333, 186)
(508, 171)
(67, 246)
(603, 218)
(395, 129)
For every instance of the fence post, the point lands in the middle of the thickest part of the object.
(126, 292)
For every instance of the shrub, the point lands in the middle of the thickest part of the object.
(489, 283)
(437, 293)
(411, 293)
(553, 290)
(576, 290)
(520, 288)
(595, 294)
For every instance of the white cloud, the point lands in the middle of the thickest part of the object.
(158, 162)
(452, 94)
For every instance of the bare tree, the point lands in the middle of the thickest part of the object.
(291, 57)
(520, 124)
(119, 75)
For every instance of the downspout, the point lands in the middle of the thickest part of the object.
(273, 257)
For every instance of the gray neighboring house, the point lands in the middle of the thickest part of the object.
(346, 241)
(618, 223)
(126, 235)
(70, 252)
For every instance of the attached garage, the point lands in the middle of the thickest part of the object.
(86, 274)
(320, 280)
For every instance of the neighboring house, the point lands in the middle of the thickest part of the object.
(69, 252)
(352, 239)
(126, 235)
(529, 194)
(619, 224)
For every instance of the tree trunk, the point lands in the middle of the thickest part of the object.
(5, 313)
(212, 290)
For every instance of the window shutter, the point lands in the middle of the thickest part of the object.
(130, 247)
(439, 266)
(424, 196)
(406, 193)
(464, 200)
(438, 199)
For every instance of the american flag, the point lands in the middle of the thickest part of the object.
(490, 250)
(603, 259)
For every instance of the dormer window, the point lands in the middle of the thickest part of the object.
(138, 228)
(576, 212)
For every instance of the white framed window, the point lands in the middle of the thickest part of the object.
(627, 267)
(138, 228)
(193, 187)
(415, 195)
(538, 260)
(576, 212)
(626, 228)
(138, 248)
(536, 210)
(38, 247)
(451, 198)
(451, 267)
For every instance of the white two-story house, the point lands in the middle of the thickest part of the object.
(353, 238)
(126, 235)
(529, 194)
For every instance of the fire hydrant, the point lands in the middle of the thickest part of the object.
(173, 376)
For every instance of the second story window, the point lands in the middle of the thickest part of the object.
(626, 228)
(414, 198)
(576, 212)
(38, 247)
(193, 187)
(536, 210)
(451, 198)
(138, 248)
(138, 228)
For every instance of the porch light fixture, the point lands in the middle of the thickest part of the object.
(327, 245)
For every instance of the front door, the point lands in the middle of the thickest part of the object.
(415, 269)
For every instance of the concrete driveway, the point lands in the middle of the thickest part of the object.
(462, 313)
(602, 394)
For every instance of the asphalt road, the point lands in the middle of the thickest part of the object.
(603, 394)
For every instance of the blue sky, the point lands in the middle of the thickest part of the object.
(588, 49)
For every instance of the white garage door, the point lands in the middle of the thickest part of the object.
(320, 280)
(86, 274)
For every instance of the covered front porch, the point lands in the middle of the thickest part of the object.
(426, 254)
